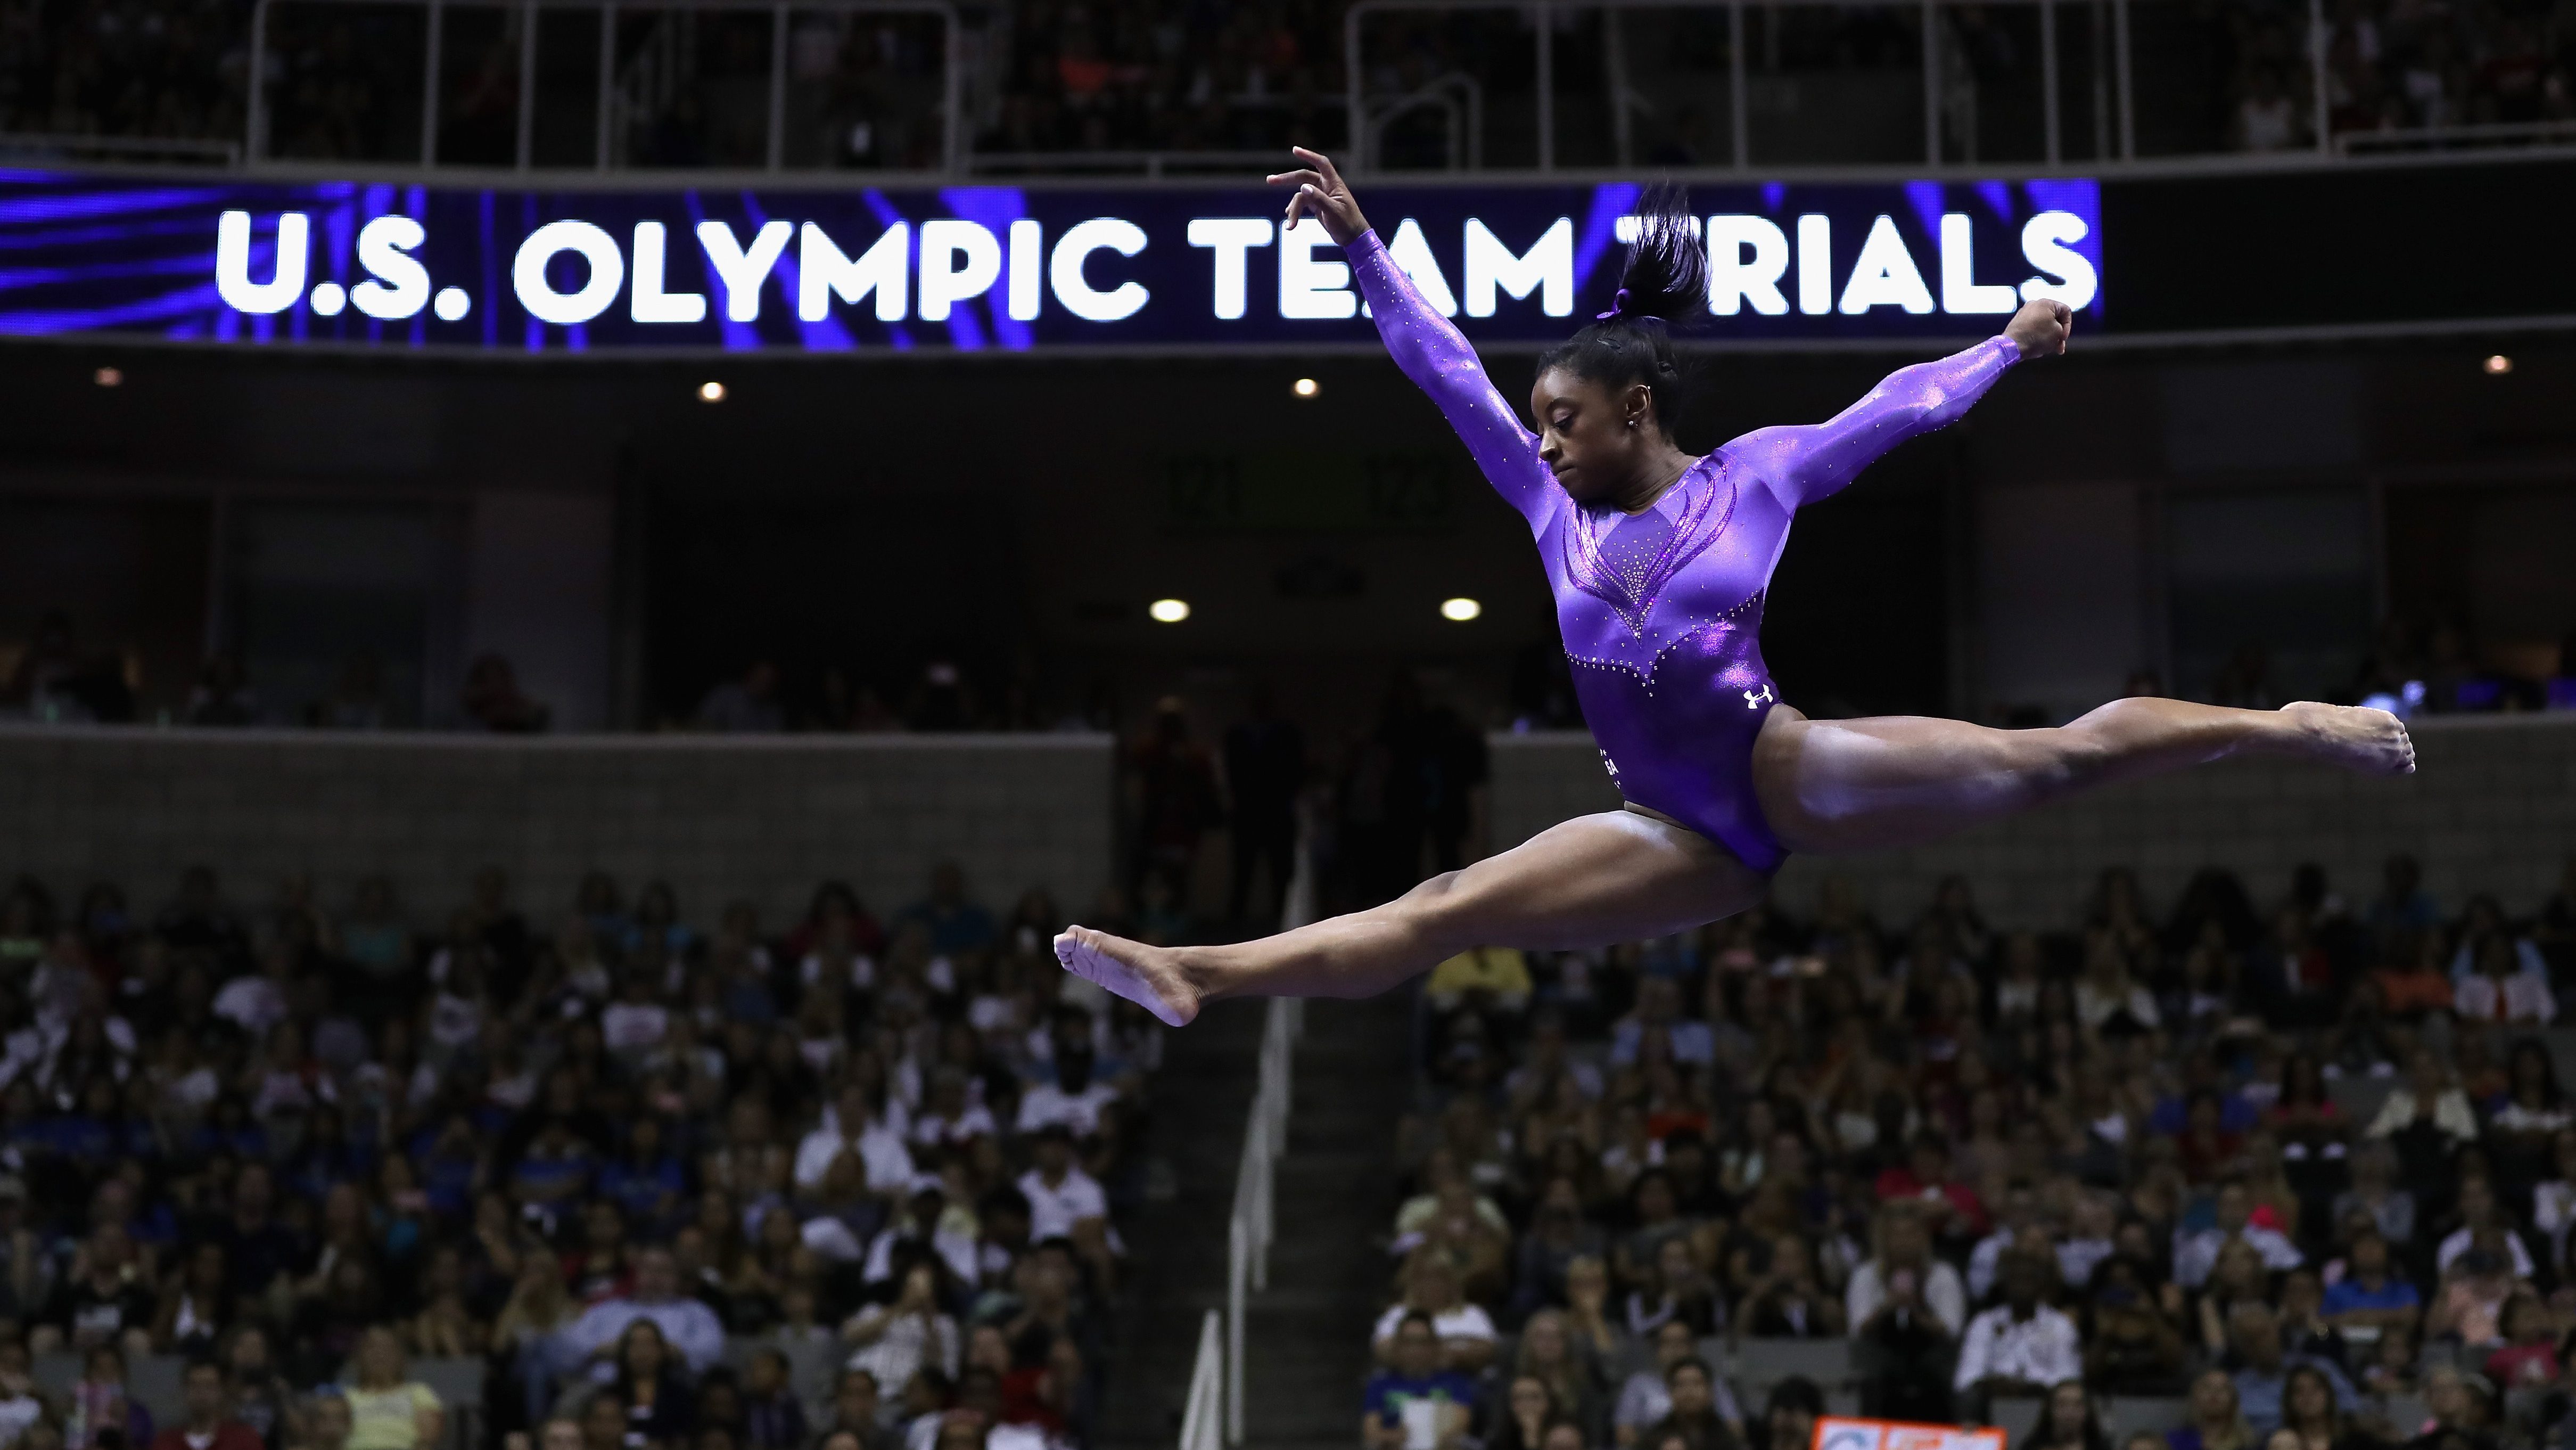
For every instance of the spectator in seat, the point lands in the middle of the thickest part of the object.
(661, 1409)
(2370, 1296)
(1520, 1417)
(856, 1406)
(2067, 1422)
(771, 1412)
(492, 700)
(2215, 1421)
(388, 1409)
(1061, 1196)
(854, 1127)
(206, 1396)
(2195, 1256)
(2481, 1214)
(2463, 1409)
(2021, 1346)
(2498, 990)
(1073, 1099)
(894, 1339)
(1789, 1416)
(1413, 1402)
(100, 1404)
(328, 1423)
(1645, 1399)
(1905, 1245)
(1431, 1289)
(2375, 1194)
(2133, 1344)
(2263, 1368)
(1693, 1419)
(745, 705)
(1574, 1379)
(1904, 1349)
(687, 1325)
(955, 922)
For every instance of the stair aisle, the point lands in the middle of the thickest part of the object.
(1306, 1337)
(1176, 1245)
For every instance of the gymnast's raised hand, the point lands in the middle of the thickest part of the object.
(1659, 560)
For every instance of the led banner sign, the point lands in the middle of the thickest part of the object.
(403, 267)
(1852, 1434)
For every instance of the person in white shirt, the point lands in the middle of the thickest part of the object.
(1073, 1099)
(691, 1327)
(2197, 1254)
(851, 1126)
(1466, 1332)
(2017, 1222)
(1060, 1194)
(2430, 1092)
(2088, 1239)
(2021, 1346)
(2500, 991)
(1905, 1244)
(255, 1003)
(926, 1219)
(2478, 1210)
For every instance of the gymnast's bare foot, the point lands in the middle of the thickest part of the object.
(2355, 737)
(1150, 977)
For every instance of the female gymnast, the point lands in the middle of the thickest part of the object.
(1658, 561)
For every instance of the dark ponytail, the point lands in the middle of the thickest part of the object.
(1664, 285)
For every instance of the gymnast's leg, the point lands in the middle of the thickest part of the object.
(1591, 881)
(1856, 785)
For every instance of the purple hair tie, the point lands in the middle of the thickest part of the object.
(1618, 305)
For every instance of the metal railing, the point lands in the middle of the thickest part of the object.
(658, 66)
(1216, 1376)
(1622, 96)
(50, 146)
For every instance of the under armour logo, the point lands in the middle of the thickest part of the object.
(1756, 699)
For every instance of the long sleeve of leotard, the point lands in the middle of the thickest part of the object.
(1807, 462)
(1437, 357)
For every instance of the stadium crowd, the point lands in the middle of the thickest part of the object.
(2295, 1175)
(1076, 75)
(607, 1179)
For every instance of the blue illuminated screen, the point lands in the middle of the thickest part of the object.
(381, 265)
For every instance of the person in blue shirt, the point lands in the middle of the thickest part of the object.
(1415, 1404)
(956, 923)
(2368, 1295)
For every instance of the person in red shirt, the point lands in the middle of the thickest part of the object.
(208, 1427)
(1958, 1213)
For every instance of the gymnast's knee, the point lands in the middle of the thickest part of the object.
(1438, 916)
(2078, 754)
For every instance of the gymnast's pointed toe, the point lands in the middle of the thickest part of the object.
(1142, 974)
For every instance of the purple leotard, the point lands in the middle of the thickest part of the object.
(1661, 611)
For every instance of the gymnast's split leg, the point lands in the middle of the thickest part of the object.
(1826, 786)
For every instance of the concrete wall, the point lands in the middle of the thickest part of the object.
(2492, 807)
(720, 819)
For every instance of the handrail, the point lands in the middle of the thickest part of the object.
(1203, 1416)
(1218, 1369)
(20, 143)
(953, 140)
(2465, 134)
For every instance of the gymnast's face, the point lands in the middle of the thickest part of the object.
(1597, 440)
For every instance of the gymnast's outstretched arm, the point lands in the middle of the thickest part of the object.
(1425, 345)
(1806, 462)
